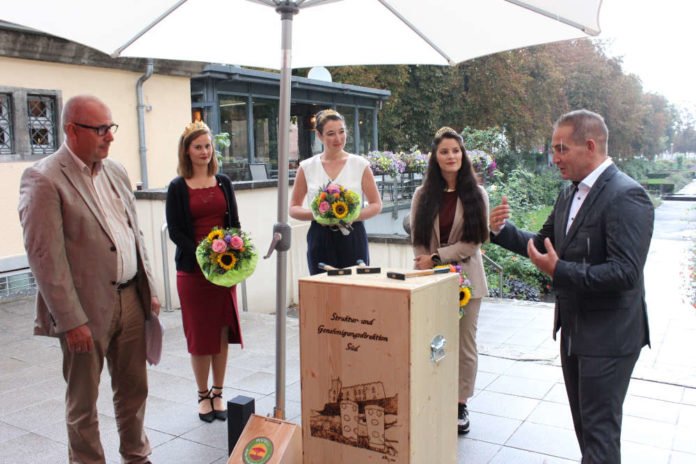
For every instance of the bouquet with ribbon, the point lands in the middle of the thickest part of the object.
(334, 205)
(465, 287)
(226, 256)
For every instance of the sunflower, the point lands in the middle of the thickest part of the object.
(214, 234)
(340, 209)
(464, 296)
(226, 260)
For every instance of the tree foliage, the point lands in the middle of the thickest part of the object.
(522, 92)
(685, 138)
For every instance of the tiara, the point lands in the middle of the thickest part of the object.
(327, 112)
(193, 127)
(446, 130)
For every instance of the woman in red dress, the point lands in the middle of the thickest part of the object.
(198, 200)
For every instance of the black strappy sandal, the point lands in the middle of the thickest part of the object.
(208, 416)
(219, 414)
(462, 419)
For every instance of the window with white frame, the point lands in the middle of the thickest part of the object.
(29, 123)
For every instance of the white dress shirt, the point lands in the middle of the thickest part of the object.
(583, 189)
(114, 210)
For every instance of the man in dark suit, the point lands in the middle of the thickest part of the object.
(593, 245)
(95, 289)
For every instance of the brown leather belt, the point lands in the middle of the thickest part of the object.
(124, 285)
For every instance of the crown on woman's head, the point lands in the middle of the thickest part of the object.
(446, 130)
(193, 127)
(327, 112)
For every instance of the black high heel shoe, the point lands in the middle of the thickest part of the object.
(462, 419)
(208, 416)
(219, 414)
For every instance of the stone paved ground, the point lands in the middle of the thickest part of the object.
(519, 413)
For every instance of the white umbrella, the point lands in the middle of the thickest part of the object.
(329, 33)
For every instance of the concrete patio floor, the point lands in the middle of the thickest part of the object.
(519, 413)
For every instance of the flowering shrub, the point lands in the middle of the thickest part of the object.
(483, 163)
(391, 164)
(415, 162)
(386, 162)
(226, 256)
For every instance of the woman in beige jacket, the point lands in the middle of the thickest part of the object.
(449, 222)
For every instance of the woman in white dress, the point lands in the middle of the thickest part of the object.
(325, 244)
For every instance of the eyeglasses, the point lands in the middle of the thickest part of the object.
(100, 130)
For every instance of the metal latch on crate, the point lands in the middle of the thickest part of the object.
(437, 348)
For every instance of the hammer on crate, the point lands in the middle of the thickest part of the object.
(424, 272)
(364, 269)
(334, 271)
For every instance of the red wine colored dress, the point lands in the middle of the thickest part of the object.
(206, 307)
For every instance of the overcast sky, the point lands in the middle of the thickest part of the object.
(656, 40)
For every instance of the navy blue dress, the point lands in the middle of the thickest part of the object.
(329, 246)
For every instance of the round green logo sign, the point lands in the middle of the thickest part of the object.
(258, 451)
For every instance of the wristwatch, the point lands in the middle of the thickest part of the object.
(435, 258)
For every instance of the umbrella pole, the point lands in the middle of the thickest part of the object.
(287, 10)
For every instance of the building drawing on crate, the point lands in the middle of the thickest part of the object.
(358, 415)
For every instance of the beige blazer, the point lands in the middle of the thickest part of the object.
(69, 246)
(467, 254)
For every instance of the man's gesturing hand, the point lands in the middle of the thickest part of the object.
(499, 215)
(545, 262)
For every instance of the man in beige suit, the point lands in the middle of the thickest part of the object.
(94, 284)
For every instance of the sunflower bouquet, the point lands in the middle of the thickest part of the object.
(334, 205)
(465, 287)
(226, 256)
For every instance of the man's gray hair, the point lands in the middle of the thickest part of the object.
(586, 125)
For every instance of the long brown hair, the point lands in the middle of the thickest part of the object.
(475, 216)
(191, 133)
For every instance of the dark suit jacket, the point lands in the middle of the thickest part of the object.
(69, 245)
(180, 221)
(598, 281)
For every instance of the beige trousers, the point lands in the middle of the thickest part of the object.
(468, 353)
(124, 349)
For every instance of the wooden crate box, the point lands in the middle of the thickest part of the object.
(266, 440)
(371, 391)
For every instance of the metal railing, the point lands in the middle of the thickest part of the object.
(164, 238)
(15, 283)
(498, 269)
(398, 189)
